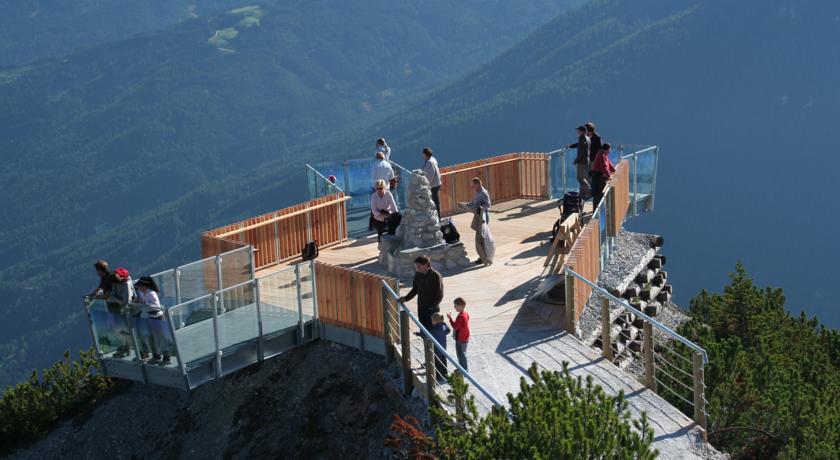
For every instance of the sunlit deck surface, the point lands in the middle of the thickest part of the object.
(508, 333)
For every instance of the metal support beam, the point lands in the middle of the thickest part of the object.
(299, 302)
(570, 304)
(386, 326)
(217, 358)
(260, 339)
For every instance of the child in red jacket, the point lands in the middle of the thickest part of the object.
(461, 326)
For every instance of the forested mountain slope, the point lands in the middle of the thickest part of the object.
(114, 150)
(37, 29)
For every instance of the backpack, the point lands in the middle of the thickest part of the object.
(310, 251)
(571, 204)
(450, 233)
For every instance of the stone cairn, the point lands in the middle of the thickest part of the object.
(419, 234)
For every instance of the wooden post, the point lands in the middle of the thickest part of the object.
(606, 326)
(431, 374)
(699, 400)
(570, 304)
(386, 327)
(405, 336)
(459, 405)
(647, 348)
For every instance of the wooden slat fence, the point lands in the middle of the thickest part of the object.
(351, 298)
(620, 197)
(280, 235)
(506, 177)
(585, 259)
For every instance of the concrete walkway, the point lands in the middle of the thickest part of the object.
(499, 361)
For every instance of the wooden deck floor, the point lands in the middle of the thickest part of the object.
(494, 294)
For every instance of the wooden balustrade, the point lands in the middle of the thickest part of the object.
(506, 177)
(584, 259)
(620, 197)
(351, 298)
(280, 235)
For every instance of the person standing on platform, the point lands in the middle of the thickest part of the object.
(427, 286)
(384, 148)
(432, 172)
(103, 290)
(461, 326)
(594, 142)
(382, 169)
(582, 162)
(602, 170)
(439, 331)
(481, 201)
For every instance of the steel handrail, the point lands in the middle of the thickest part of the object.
(626, 306)
(324, 178)
(428, 335)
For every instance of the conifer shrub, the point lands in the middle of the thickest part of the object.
(555, 416)
(30, 409)
(773, 379)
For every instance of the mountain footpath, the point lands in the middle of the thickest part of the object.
(319, 401)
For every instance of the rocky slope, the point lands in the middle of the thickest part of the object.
(319, 401)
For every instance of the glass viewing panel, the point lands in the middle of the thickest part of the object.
(111, 330)
(278, 301)
(193, 323)
(237, 319)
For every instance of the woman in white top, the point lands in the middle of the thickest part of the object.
(382, 169)
(382, 205)
(147, 294)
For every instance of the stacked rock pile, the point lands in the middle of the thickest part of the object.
(419, 234)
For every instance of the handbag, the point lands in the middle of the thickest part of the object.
(310, 251)
(477, 220)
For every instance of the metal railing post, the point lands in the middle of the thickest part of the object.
(635, 187)
(178, 287)
(217, 358)
(299, 302)
(570, 304)
(563, 169)
(653, 183)
(647, 349)
(260, 339)
(431, 375)
(405, 336)
(219, 286)
(606, 327)
(277, 254)
(699, 386)
(314, 289)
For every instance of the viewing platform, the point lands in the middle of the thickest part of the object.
(252, 296)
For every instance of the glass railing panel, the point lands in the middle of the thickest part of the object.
(111, 330)
(193, 324)
(319, 184)
(154, 337)
(167, 290)
(237, 319)
(198, 279)
(646, 162)
(279, 301)
(236, 267)
(307, 296)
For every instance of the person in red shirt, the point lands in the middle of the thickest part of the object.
(461, 326)
(602, 169)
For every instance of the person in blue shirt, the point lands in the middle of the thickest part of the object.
(439, 331)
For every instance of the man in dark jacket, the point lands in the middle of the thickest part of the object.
(428, 287)
(582, 162)
(594, 142)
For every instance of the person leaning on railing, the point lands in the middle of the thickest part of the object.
(602, 170)
(428, 287)
(382, 206)
(105, 279)
(582, 162)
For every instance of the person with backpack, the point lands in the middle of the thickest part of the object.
(432, 172)
(582, 162)
(602, 170)
(122, 290)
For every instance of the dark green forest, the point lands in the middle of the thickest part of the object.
(129, 149)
